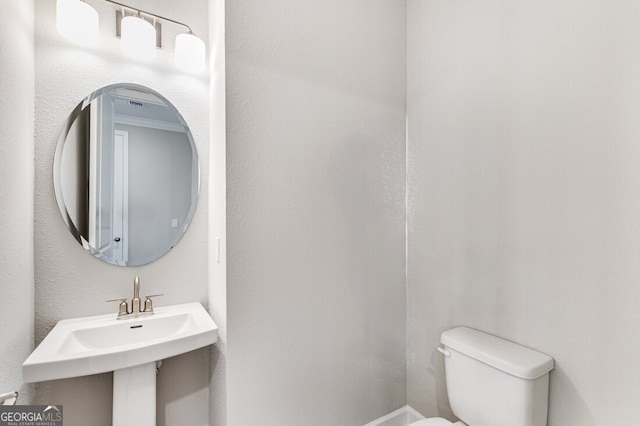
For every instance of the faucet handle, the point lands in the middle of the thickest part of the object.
(123, 307)
(148, 303)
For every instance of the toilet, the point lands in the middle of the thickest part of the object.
(492, 381)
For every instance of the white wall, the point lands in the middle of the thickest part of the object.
(524, 193)
(315, 128)
(69, 281)
(16, 195)
(217, 213)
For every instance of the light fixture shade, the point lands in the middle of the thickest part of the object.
(190, 53)
(77, 21)
(138, 38)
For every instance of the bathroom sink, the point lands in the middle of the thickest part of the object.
(102, 343)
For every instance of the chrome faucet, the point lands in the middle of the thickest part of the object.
(135, 312)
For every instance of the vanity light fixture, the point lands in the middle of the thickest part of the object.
(139, 31)
(77, 21)
(190, 52)
(138, 37)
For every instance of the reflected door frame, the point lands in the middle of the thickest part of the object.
(120, 216)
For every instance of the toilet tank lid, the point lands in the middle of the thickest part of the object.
(499, 353)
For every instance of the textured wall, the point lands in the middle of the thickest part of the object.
(315, 210)
(524, 193)
(16, 194)
(69, 281)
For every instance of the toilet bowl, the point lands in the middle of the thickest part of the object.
(436, 421)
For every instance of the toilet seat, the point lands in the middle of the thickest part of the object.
(436, 421)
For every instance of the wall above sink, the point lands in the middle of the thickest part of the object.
(69, 282)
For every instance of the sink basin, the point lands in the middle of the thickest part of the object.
(102, 343)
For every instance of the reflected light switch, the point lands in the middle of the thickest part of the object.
(174, 223)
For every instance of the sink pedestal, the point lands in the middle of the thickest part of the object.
(134, 395)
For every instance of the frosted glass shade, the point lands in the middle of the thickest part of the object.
(190, 53)
(138, 38)
(77, 21)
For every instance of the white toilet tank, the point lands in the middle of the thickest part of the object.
(495, 382)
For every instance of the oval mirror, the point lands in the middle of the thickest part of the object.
(126, 174)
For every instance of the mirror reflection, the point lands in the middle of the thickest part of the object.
(126, 174)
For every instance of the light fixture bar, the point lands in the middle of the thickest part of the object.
(153, 15)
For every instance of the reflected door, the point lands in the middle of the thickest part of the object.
(120, 217)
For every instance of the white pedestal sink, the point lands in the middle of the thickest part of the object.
(130, 348)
